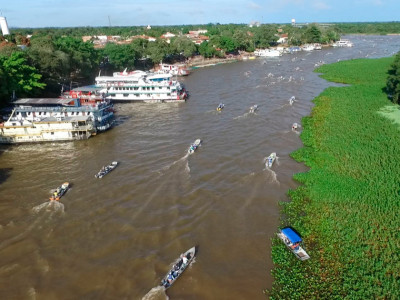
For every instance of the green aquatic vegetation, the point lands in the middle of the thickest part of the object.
(348, 204)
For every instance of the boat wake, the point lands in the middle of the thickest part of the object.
(167, 167)
(272, 176)
(156, 293)
(48, 211)
(50, 207)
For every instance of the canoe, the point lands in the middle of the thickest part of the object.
(293, 241)
(107, 169)
(178, 267)
(270, 160)
(193, 147)
(60, 191)
(253, 108)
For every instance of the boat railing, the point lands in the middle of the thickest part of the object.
(86, 108)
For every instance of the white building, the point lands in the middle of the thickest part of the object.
(4, 26)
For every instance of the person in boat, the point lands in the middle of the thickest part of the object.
(295, 246)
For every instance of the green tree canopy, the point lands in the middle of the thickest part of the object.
(16, 75)
(393, 81)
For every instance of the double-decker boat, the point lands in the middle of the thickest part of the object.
(55, 119)
(140, 86)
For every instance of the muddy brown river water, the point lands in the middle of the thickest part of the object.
(115, 238)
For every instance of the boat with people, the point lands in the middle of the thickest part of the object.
(59, 192)
(291, 100)
(253, 108)
(270, 160)
(193, 147)
(293, 241)
(178, 266)
(295, 126)
(107, 169)
(220, 106)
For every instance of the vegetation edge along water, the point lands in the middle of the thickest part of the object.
(347, 208)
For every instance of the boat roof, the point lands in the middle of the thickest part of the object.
(291, 235)
(42, 101)
(88, 88)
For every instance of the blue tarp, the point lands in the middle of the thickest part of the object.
(292, 236)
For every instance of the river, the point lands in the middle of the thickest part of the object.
(116, 237)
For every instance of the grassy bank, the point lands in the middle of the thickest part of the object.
(348, 206)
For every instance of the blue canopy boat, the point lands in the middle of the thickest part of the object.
(293, 241)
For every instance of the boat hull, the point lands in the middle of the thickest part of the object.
(178, 268)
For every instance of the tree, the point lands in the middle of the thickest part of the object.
(16, 75)
(82, 57)
(265, 36)
(393, 81)
(243, 40)
(183, 45)
(312, 34)
(120, 56)
(158, 50)
(207, 50)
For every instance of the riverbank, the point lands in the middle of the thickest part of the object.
(347, 208)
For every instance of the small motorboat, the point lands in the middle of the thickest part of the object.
(253, 109)
(270, 160)
(293, 241)
(178, 267)
(291, 100)
(295, 126)
(59, 192)
(220, 106)
(193, 147)
(107, 169)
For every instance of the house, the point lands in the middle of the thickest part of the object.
(283, 38)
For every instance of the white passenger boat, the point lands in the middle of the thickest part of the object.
(267, 53)
(178, 266)
(317, 46)
(193, 147)
(140, 86)
(175, 70)
(342, 43)
(293, 241)
(308, 47)
(270, 160)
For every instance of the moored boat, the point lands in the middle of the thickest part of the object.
(107, 169)
(178, 267)
(267, 53)
(270, 160)
(293, 241)
(193, 147)
(59, 192)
